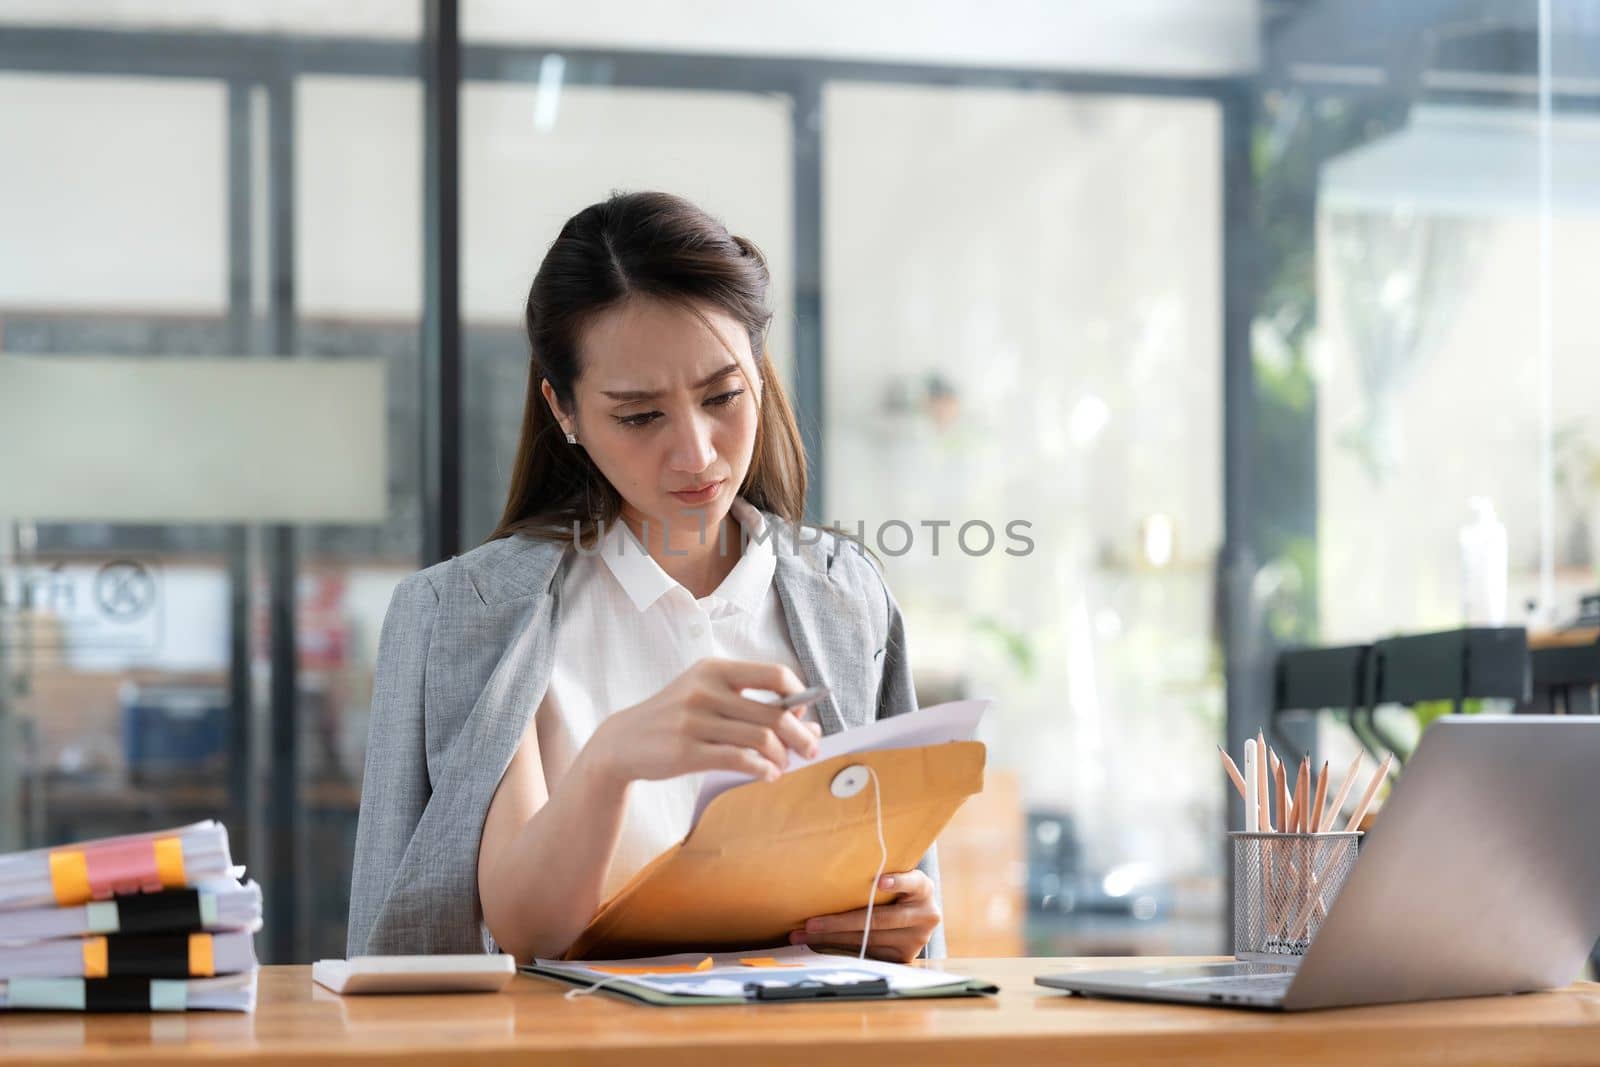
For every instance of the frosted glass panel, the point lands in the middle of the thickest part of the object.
(191, 440)
(1023, 325)
(358, 197)
(98, 211)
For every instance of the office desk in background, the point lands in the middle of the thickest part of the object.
(298, 1024)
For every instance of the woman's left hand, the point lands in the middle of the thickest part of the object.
(899, 928)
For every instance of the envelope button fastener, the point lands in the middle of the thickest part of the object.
(850, 781)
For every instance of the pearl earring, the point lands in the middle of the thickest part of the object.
(571, 440)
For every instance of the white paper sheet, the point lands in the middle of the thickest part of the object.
(954, 721)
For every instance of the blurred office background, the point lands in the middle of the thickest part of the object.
(1235, 302)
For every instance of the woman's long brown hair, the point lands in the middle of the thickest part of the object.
(657, 245)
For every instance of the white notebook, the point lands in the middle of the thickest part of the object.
(77, 872)
(220, 904)
(234, 992)
(953, 721)
(466, 973)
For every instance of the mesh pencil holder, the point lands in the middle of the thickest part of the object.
(1284, 885)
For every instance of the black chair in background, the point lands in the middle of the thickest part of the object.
(1474, 663)
(1566, 666)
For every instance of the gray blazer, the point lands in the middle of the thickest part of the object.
(463, 663)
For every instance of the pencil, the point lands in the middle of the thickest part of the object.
(1321, 795)
(1282, 791)
(1297, 798)
(1274, 767)
(1302, 790)
(1263, 789)
(1279, 876)
(1372, 791)
(1232, 769)
(1344, 792)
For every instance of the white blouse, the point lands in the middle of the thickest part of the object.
(626, 630)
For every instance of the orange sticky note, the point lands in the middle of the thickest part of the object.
(673, 968)
(202, 963)
(169, 862)
(96, 958)
(767, 961)
(69, 878)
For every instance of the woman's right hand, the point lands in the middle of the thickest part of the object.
(700, 722)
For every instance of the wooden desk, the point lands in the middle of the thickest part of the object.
(1588, 635)
(296, 1023)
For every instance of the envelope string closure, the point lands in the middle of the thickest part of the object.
(883, 858)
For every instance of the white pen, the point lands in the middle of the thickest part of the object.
(1252, 795)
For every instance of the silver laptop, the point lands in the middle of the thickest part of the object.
(1481, 876)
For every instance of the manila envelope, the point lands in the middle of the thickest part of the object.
(767, 856)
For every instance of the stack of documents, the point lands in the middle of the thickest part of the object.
(144, 922)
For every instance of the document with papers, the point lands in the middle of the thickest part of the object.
(793, 972)
(234, 992)
(69, 875)
(220, 904)
(131, 955)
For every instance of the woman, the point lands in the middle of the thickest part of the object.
(545, 704)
